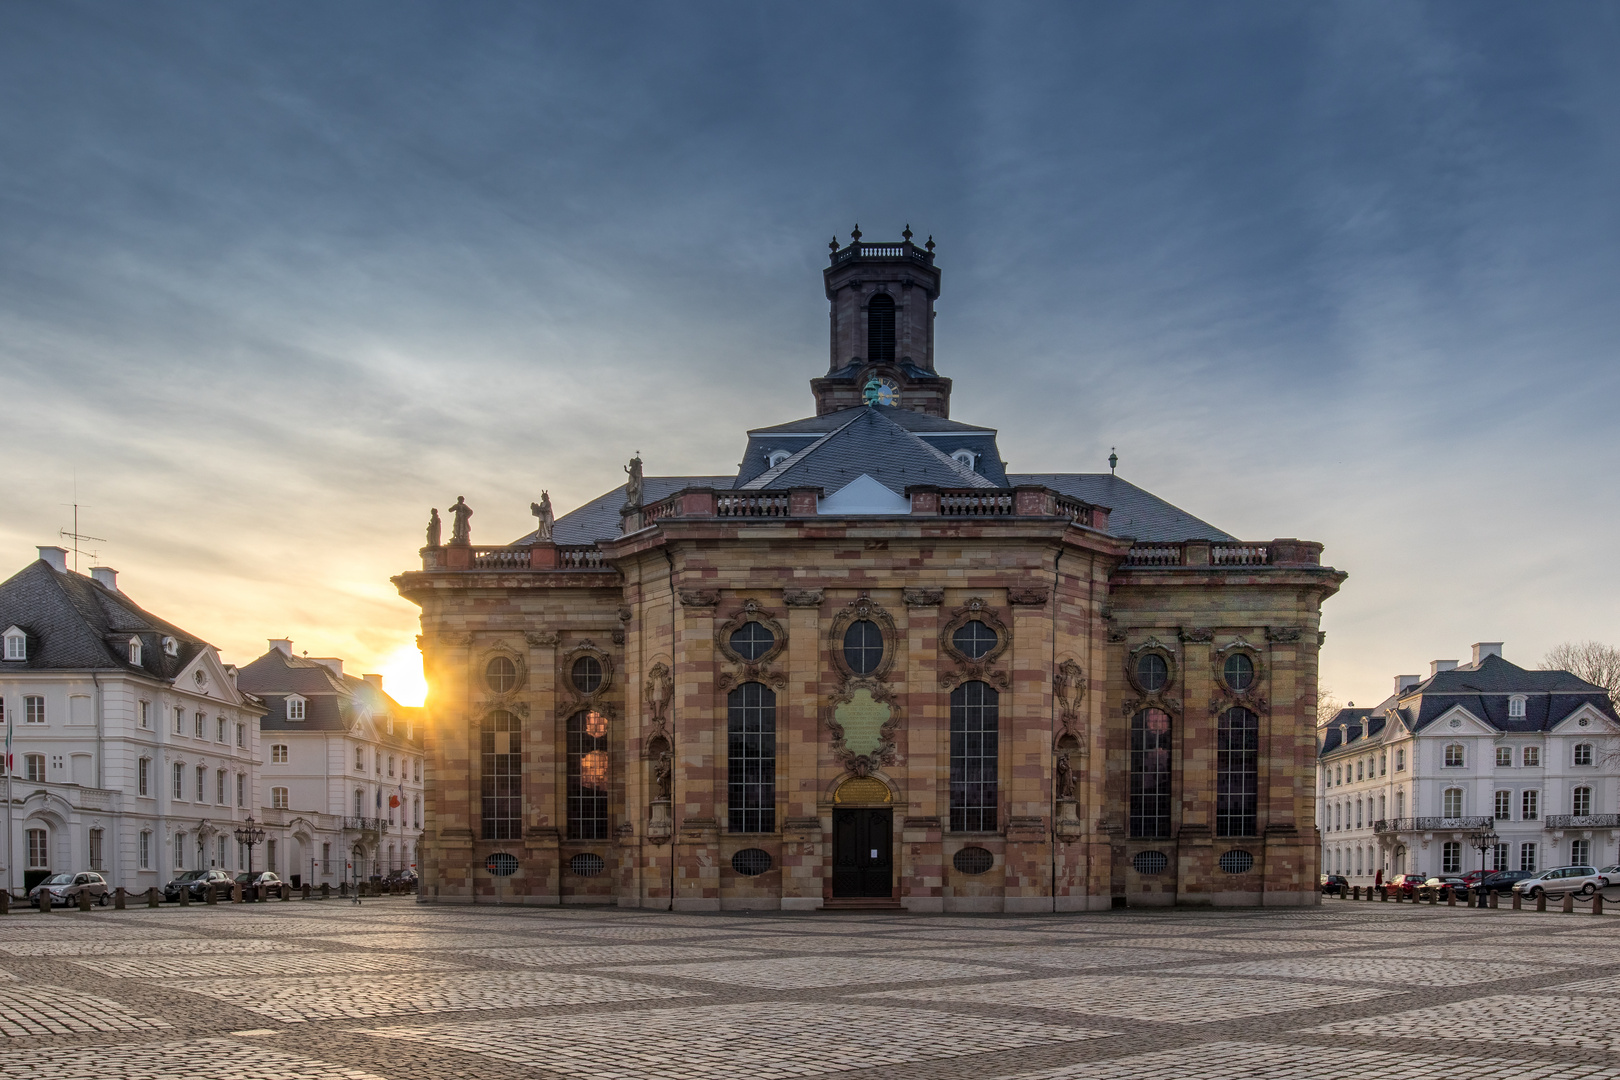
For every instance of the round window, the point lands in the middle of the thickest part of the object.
(1150, 862)
(973, 860)
(752, 641)
(973, 639)
(587, 674)
(751, 862)
(500, 674)
(1239, 671)
(501, 864)
(586, 865)
(863, 646)
(1236, 862)
(1152, 673)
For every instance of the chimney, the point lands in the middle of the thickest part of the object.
(1403, 683)
(373, 681)
(56, 557)
(106, 577)
(282, 645)
(1482, 649)
(1437, 666)
(330, 663)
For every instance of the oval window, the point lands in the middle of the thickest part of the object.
(587, 674)
(1236, 862)
(586, 865)
(973, 860)
(1152, 673)
(500, 674)
(752, 641)
(751, 862)
(973, 639)
(863, 646)
(1150, 862)
(501, 864)
(1239, 672)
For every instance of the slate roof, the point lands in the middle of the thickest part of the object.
(332, 702)
(870, 443)
(599, 519)
(939, 433)
(1484, 690)
(75, 623)
(1135, 513)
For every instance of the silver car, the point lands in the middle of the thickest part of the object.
(1580, 880)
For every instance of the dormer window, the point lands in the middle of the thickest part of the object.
(171, 647)
(775, 457)
(295, 708)
(966, 457)
(1516, 705)
(16, 644)
(135, 651)
(390, 724)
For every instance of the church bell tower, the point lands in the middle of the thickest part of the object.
(882, 328)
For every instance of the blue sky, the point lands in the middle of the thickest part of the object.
(273, 281)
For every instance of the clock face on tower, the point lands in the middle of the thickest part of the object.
(881, 391)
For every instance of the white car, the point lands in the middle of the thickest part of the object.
(1610, 874)
(1580, 880)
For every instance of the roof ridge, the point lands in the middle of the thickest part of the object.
(762, 481)
(973, 479)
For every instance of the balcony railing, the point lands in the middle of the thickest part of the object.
(1431, 824)
(1221, 553)
(1237, 554)
(585, 557)
(500, 558)
(1582, 821)
(974, 502)
(907, 251)
(755, 504)
(366, 824)
(1154, 555)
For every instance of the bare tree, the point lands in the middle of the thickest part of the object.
(1327, 706)
(1590, 660)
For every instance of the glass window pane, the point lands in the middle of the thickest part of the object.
(975, 728)
(1150, 773)
(751, 758)
(863, 646)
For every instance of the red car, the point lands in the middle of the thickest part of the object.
(1405, 884)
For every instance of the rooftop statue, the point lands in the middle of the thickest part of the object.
(461, 527)
(433, 528)
(632, 488)
(542, 510)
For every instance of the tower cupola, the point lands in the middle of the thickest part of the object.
(882, 328)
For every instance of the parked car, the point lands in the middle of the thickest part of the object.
(406, 877)
(1503, 880)
(1406, 884)
(1610, 874)
(1450, 883)
(1580, 880)
(195, 882)
(1332, 883)
(65, 889)
(1472, 878)
(255, 882)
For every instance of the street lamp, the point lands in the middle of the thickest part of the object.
(1483, 839)
(249, 834)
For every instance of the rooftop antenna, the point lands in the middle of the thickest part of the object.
(1113, 459)
(76, 536)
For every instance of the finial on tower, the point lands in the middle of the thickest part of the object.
(855, 234)
(907, 233)
(930, 244)
(1113, 459)
(833, 243)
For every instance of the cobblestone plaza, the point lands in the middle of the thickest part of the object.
(391, 989)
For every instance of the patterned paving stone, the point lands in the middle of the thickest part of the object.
(817, 944)
(645, 933)
(414, 940)
(561, 955)
(1564, 955)
(1262, 1061)
(949, 935)
(1225, 944)
(1143, 997)
(1539, 1019)
(60, 929)
(200, 1059)
(53, 1010)
(144, 947)
(1059, 956)
(724, 1041)
(258, 965)
(1389, 971)
(809, 972)
(332, 997)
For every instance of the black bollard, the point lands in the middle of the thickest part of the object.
(118, 899)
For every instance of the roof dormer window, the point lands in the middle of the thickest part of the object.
(295, 708)
(1516, 705)
(966, 457)
(16, 644)
(171, 647)
(135, 651)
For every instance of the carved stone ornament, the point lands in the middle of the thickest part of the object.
(1116, 634)
(544, 639)
(455, 639)
(618, 635)
(1252, 697)
(863, 718)
(750, 612)
(697, 598)
(923, 597)
(566, 679)
(1133, 660)
(1133, 705)
(625, 612)
(1069, 687)
(862, 608)
(658, 692)
(802, 597)
(1028, 597)
(1197, 634)
(1282, 633)
(968, 668)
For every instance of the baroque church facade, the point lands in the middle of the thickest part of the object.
(871, 668)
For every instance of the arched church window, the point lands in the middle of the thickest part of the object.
(751, 758)
(975, 730)
(1150, 773)
(587, 776)
(1237, 772)
(974, 638)
(501, 776)
(880, 329)
(863, 646)
(752, 640)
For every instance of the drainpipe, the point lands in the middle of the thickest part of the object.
(674, 832)
(1051, 885)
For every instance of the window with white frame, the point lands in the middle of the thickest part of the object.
(416, 813)
(1580, 852)
(776, 457)
(34, 768)
(1359, 774)
(33, 709)
(1532, 755)
(179, 851)
(146, 714)
(1383, 763)
(1499, 857)
(1532, 805)
(359, 803)
(241, 789)
(1516, 705)
(199, 726)
(179, 779)
(179, 721)
(1504, 806)
(143, 776)
(1451, 803)
(390, 723)
(221, 794)
(16, 644)
(1580, 804)
(143, 850)
(278, 754)
(278, 798)
(96, 838)
(202, 782)
(1504, 757)
(965, 457)
(1451, 857)
(220, 735)
(135, 651)
(418, 769)
(1527, 857)
(295, 708)
(1584, 754)
(359, 759)
(1400, 760)
(390, 764)
(171, 647)
(241, 736)
(1454, 756)
(39, 849)
(1400, 804)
